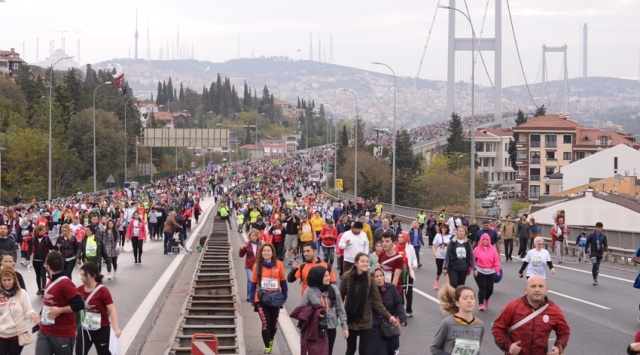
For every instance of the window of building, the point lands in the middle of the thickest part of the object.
(547, 189)
(506, 147)
(485, 175)
(506, 163)
(549, 171)
(566, 156)
(534, 174)
(615, 164)
(550, 141)
(535, 158)
(535, 141)
(493, 161)
(579, 155)
(480, 147)
(534, 191)
(491, 176)
(551, 155)
(566, 139)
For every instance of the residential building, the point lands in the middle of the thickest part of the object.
(254, 151)
(545, 144)
(492, 149)
(10, 61)
(273, 146)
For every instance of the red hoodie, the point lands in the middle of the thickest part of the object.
(328, 235)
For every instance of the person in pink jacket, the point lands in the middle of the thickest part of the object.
(488, 265)
(137, 234)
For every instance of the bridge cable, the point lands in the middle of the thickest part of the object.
(513, 31)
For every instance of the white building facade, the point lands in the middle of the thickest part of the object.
(620, 160)
(492, 149)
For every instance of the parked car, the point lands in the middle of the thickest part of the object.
(494, 195)
(493, 212)
(487, 202)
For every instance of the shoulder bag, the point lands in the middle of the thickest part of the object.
(388, 330)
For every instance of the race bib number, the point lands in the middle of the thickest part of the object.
(276, 232)
(268, 283)
(44, 317)
(461, 252)
(92, 249)
(388, 276)
(441, 251)
(465, 347)
(92, 321)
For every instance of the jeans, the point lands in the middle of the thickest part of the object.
(508, 248)
(248, 272)
(522, 250)
(417, 249)
(328, 255)
(560, 250)
(595, 268)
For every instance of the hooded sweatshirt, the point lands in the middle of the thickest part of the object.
(487, 258)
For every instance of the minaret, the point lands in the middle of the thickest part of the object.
(584, 50)
(310, 45)
(135, 36)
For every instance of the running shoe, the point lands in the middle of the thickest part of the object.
(481, 308)
(595, 282)
(486, 304)
(436, 285)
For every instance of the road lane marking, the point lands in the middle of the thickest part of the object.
(134, 325)
(577, 299)
(599, 275)
(426, 295)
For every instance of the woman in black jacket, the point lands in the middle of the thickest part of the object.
(39, 247)
(91, 248)
(392, 301)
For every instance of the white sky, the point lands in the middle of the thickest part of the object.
(393, 32)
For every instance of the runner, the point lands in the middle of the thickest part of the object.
(596, 248)
(535, 259)
(460, 332)
(439, 249)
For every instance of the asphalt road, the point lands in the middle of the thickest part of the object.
(603, 318)
(137, 291)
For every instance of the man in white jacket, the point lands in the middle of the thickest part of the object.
(353, 242)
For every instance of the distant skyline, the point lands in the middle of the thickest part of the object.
(362, 32)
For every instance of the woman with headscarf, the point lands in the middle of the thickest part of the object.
(360, 295)
(392, 302)
(320, 291)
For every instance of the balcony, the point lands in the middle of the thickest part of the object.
(521, 177)
(534, 177)
(551, 145)
(535, 160)
(522, 161)
(521, 144)
(535, 144)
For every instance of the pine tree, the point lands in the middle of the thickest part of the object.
(170, 95)
(181, 95)
(456, 141)
(343, 144)
(513, 152)
(540, 111)
(408, 168)
(159, 94)
(247, 103)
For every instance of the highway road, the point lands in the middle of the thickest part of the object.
(603, 318)
(138, 290)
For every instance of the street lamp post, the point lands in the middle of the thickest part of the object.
(335, 148)
(355, 163)
(95, 170)
(472, 197)
(460, 156)
(393, 140)
(126, 146)
(51, 124)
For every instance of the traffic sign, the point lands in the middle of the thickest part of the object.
(339, 184)
(111, 180)
(204, 344)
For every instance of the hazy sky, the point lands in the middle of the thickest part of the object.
(393, 32)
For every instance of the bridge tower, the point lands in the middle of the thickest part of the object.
(485, 44)
(565, 96)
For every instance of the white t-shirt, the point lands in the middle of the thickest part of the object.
(359, 243)
(441, 243)
(537, 262)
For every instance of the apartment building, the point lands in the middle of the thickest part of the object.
(545, 144)
(492, 149)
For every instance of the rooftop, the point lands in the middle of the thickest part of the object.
(548, 122)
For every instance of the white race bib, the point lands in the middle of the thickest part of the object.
(441, 251)
(92, 249)
(268, 283)
(92, 321)
(44, 317)
(461, 252)
(388, 276)
(465, 347)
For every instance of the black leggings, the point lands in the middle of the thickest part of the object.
(332, 339)
(41, 274)
(137, 248)
(352, 341)
(439, 263)
(99, 338)
(269, 318)
(408, 294)
(485, 286)
(122, 238)
(12, 347)
(457, 277)
(113, 261)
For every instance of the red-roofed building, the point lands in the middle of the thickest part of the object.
(547, 143)
(10, 61)
(492, 149)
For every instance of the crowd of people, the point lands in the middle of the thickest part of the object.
(356, 265)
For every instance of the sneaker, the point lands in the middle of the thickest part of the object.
(271, 343)
(486, 304)
(109, 276)
(409, 314)
(595, 282)
(267, 350)
(481, 308)
(114, 274)
(436, 285)
(290, 262)
(419, 266)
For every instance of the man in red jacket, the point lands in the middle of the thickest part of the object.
(524, 325)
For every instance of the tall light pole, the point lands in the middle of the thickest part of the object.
(472, 197)
(95, 170)
(125, 138)
(393, 140)
(51, 123)
(203, 128)
(355, 163)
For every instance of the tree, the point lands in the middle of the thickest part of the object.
(408, 167)
(159, 95)
(343, 145)
(181, 94)
(247, 103)
(457, 142)
(513, 152)
(540, 111)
